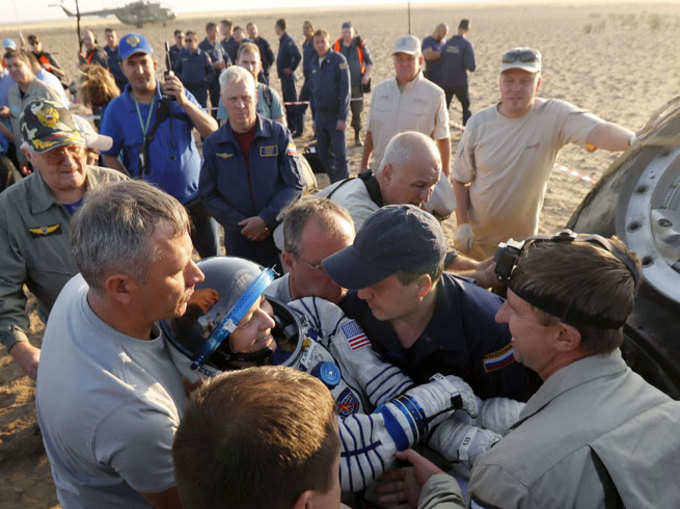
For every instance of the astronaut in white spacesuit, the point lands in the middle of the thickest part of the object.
(230, 325)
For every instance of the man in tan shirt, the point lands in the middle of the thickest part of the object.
(407, 102)
(507, 152)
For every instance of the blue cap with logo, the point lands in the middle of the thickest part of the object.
(133, 43)
(392, 239)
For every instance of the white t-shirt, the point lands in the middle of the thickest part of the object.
(108, 407)
(420, 105)
(508, 161)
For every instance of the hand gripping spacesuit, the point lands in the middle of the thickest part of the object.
(313, 335)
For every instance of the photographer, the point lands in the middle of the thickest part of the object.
(152, 135)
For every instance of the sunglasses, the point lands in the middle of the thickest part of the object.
(524, 55)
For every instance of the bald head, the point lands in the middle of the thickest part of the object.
(409, 170)
(440, 31)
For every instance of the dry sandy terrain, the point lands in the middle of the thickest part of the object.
(620, 62)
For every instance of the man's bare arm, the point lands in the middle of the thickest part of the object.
(610, 136)
(368, 150)
(204, 123)
(430, 54)
(444, 146)
(462, 193)
(114, 163)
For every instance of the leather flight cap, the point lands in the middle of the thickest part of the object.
(394, 238)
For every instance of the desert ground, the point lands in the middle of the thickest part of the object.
(618, 60)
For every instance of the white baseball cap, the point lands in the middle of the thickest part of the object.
(408, 44)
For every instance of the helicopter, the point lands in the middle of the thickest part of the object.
(134, 13)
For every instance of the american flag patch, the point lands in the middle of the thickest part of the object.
(355, 335)
(499, 359)
(291, 150)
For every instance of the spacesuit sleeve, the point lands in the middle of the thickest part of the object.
(351, 349)
(367, 450)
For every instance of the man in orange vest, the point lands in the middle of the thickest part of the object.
(355, 51)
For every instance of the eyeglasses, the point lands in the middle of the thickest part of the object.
(523, 55)
(58, 155)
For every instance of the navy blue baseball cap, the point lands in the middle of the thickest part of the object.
(393, 238)
(133, 43)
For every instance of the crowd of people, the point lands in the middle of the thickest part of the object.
(340, 332)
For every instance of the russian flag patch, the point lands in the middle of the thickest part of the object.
(499, 359)
(355, 335)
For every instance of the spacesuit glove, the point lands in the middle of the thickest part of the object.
(458, 441)
(409, 417)
(464, 237)
(499, 414)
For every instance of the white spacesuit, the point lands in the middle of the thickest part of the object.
(315, 336)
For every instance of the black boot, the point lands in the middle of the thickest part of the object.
(357, 139)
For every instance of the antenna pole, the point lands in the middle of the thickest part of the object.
(409, 17)
(80, 39)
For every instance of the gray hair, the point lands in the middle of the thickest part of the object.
(113, 229)
(235, 74)
(326, 213)
(406, 146)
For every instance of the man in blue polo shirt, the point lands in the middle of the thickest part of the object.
(250, 172)
(330, 96)
(419, 318)
(153, 139)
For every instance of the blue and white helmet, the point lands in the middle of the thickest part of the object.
(199, 340)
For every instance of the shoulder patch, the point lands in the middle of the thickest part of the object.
(269, 151)
(347, 403)
(343, 66)
(499, 359)
(355, 335)
(291, 150)
(223, 155)
(44, 231)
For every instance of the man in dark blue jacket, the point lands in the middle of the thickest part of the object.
(194, 68)
(111, 49)
(308, 57)
(219, 61)
(250, 172)
(330, 96)
(458, 57)
(287, 61)
(229, 44)
(266, 53)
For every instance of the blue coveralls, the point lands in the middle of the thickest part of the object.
(267, 57)
(173, 160)
(230, 48)
(114, 67)
(457, 59)
(195, 71)
(308, 57)
(216, 53)
(330, 95)
(289, 57)
(233, 190)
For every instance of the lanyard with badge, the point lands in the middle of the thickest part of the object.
(142, 155)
